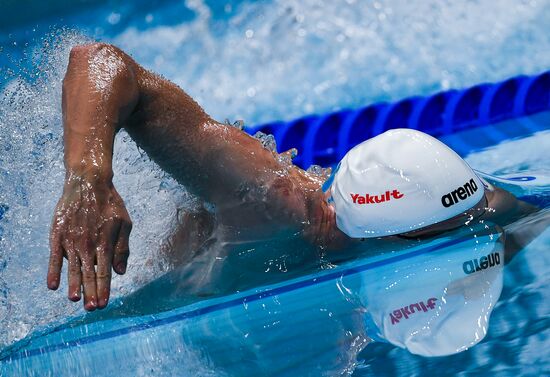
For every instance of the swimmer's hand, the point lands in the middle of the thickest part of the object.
(90, 228)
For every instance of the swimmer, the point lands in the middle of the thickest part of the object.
(254, 194)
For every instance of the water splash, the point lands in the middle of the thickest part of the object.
(261, 61)
(320, 171)
(268, 141)
(31, 180)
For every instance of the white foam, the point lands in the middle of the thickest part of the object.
(280, 60)
(31, 181)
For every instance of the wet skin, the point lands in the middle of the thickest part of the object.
(104, 90)
(253, 192)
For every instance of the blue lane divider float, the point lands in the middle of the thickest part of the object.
(325, 139)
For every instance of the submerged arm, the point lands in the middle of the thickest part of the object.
(522, 222)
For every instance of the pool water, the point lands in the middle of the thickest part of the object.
(261, 62)
(328, 321)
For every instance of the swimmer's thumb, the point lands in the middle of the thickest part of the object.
(120, 264)
(122, 249)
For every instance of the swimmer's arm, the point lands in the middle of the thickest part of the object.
(219, 163)
(504, 208)
(91, 225)
(105, 90)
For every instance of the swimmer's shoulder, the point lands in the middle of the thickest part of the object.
(503, 207)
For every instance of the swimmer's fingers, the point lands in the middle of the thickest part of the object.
(89, 283)
(122, 248)
(56, 260)
(75, 276)
(103, 275)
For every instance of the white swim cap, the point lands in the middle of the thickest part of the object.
(400, 181)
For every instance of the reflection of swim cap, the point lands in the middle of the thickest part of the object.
(438, 303)
(400, 181)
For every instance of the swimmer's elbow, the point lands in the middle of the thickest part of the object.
(84, 57)
(103, 69)
(83, 53)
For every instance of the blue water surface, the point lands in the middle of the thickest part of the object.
(325, 323)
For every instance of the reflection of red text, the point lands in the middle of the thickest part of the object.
(408, 310)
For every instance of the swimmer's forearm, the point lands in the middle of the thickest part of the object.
(91, 226)
(107, 90)
(104, 90)
(99, 91)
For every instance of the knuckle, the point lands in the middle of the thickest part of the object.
(103, 276)
(122, 251)
(74, 269)
(101, 254)
(88, 276)
(102, 248)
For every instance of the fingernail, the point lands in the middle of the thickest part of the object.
(102, 303)
(74, 297)
(121, 267)
(90, 306)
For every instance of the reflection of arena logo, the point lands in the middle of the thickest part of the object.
(408, 310)
(482, 263)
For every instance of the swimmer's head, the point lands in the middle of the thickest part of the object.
(401, 181)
